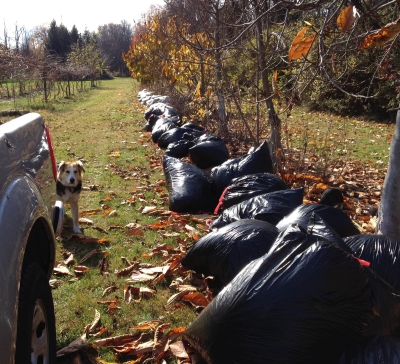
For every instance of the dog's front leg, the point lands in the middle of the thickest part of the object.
(75, 218)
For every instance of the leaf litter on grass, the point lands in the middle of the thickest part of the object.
(160, 239)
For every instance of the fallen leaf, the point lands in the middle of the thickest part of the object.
(80, 270)
(84, 220)
(109, 290)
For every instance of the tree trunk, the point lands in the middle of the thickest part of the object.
(275, 140)
(223, 127)
(389, 209)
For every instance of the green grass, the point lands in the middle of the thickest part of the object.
(102, 127)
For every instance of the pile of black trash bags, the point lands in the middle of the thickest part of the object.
(291, 282)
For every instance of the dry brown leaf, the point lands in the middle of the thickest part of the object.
(92, 253)
(147, 325)
(138, 276)
(346, 18)
(109, 290)
(149, 209)
(275, 87)
(178, 350)
(147, 292)
(117, 340)
(84, 220)
(135, 232)
(301, 46)
(89, 240)
(197, 299)
(192, 232)
(178, 296)
(98, 228)
(381, 36)
(126, 271)
(61, 270)
(112, 306)
(103, 265)
(70, 260)
(95, 323)
(80, 270)
(89, 212)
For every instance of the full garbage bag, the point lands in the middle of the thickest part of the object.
(174, 135)
(258, 161)
(160, 127)
(208, 154)
(337, 219)
(179, 149)
(159, 108)
(223, 253)
(302, 302)
(189, 187)
(372, 350)
(251, 185)
(382, 252)
(270, 207)
(193, 126)
(207, 137)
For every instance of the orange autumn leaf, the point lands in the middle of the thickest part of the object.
(89, 239)
(275, 87)
(301, 46)
(346, 18)
(147, 325)
(381, 36)
(89, 212)
(135, 232)
(197, 299)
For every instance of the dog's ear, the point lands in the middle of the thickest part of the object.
(80, 167)
(61, 165)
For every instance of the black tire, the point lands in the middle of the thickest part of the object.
(36, 333)
(331, 197)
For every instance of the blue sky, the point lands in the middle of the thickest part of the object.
(83, 13)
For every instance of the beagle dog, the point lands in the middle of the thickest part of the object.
(69, 186)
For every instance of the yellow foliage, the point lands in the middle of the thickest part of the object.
(152, 55)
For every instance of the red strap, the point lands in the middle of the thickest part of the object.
(220, 201)
(364, 263)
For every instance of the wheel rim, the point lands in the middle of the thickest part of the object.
(40, 336)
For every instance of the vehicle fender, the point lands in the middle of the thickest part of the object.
(21, 205)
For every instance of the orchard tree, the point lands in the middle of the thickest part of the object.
(115, 39)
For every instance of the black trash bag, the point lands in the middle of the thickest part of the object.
(179, 149)
(170, 112)
(157, 108)
(251, 185)
(209, 137)
(375, 350)
(270, 207)
(223, 253)
(381, 252)
(175, 135)
(302, 302)
(331, 197)
(193, 126)
(208, 154)
(160, 127)
(190, 188)
(337, 219)
(257, 162)
(147, 127)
